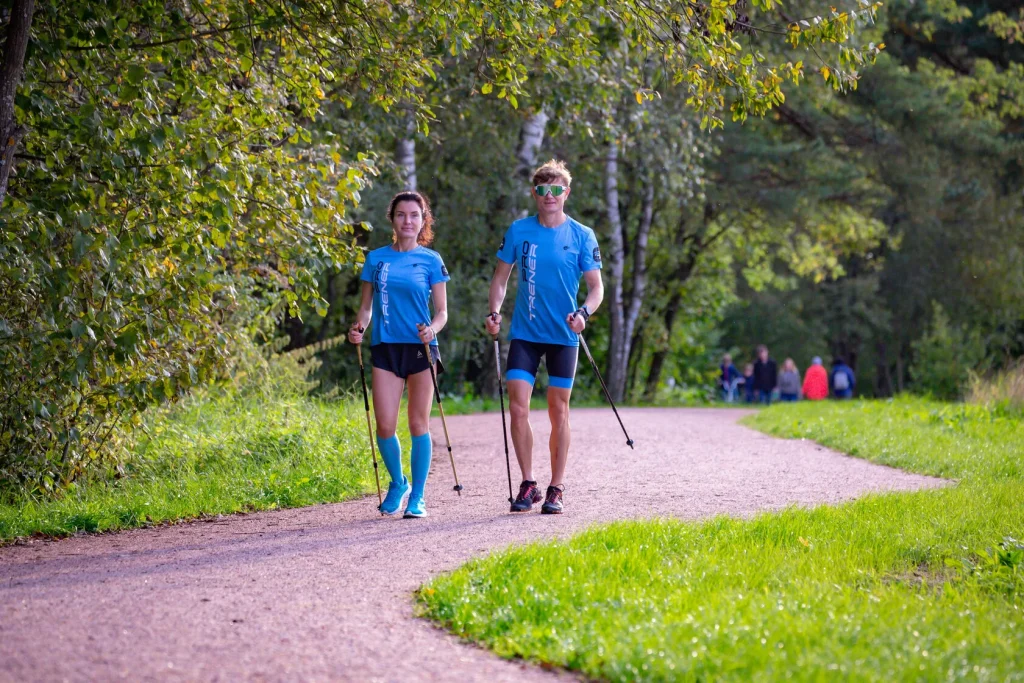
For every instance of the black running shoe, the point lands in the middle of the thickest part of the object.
(528, 495)
(553, 501)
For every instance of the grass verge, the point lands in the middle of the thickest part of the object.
(212, 456)
(922, 586)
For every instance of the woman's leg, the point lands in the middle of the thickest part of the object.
(421, 397)
(387, 396)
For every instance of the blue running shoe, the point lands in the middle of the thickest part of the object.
(397, 493)
(416, 507)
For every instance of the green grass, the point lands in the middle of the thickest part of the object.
(910, 586)
(215, 455)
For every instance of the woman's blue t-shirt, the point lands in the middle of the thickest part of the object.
(401, 292)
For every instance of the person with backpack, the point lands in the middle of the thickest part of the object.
(843, 380)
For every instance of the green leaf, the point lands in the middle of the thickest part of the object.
(136, 73)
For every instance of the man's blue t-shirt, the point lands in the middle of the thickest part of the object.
(401, 292)
(550, 263)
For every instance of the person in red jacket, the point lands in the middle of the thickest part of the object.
(816, 381)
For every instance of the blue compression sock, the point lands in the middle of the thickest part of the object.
(422, 449)
(391, 454)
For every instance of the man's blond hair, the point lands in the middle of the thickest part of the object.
(552, 170)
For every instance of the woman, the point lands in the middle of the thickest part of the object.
(789, 381)
(816, 381)
(399, 282)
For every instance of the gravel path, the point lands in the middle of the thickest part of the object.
(324, 593)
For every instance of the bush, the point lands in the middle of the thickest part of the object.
(945, 357)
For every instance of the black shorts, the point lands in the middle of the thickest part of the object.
(524, 359)
(403, 359)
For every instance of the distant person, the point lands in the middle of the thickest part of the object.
(816, 381)
(729, 378)
(748, 382)
(766, 375)
(789, 382)
(843, 379)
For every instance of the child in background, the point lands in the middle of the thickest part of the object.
(748, 382)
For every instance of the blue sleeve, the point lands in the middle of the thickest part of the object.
(507, 248)
(367, 274)
(438, 273)
(590, 253)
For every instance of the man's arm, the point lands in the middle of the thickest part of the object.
(595, 295)
(496, 296)
(595, 290)
(499, 283)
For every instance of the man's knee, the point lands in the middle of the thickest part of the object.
(558, 405)
(519, 410)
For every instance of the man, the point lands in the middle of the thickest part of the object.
(766, 375)
(551, 251)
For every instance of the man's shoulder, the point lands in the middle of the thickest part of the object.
(580, 228)
(525, 223)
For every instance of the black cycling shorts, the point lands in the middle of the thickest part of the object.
(524, 359)
(403, 359)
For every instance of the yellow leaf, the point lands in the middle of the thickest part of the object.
(881, 46)
(559, 3)
(826, 72)
(804, 541)
(639, 97)
(487, 87)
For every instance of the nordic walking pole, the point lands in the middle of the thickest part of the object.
(586, 349)
(501, 401)
(366, 404)
(437, 394)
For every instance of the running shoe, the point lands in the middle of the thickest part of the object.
(415, 508)
(553, 501)
(397, 494)
(528, 495)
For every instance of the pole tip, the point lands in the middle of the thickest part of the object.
(458, 487)
(629, 442)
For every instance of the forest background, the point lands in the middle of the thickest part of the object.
(188, 187)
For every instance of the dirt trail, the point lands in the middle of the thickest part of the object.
(325, 593)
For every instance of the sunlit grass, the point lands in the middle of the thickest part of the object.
(212, 456)
(910, 586)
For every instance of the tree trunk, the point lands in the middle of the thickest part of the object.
(531, 137)
(625, 306)
(658, 360)
(405, 156)
(10, 77)
(616, 273)
(883, 379)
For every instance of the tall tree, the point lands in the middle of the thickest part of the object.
(15, 44)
